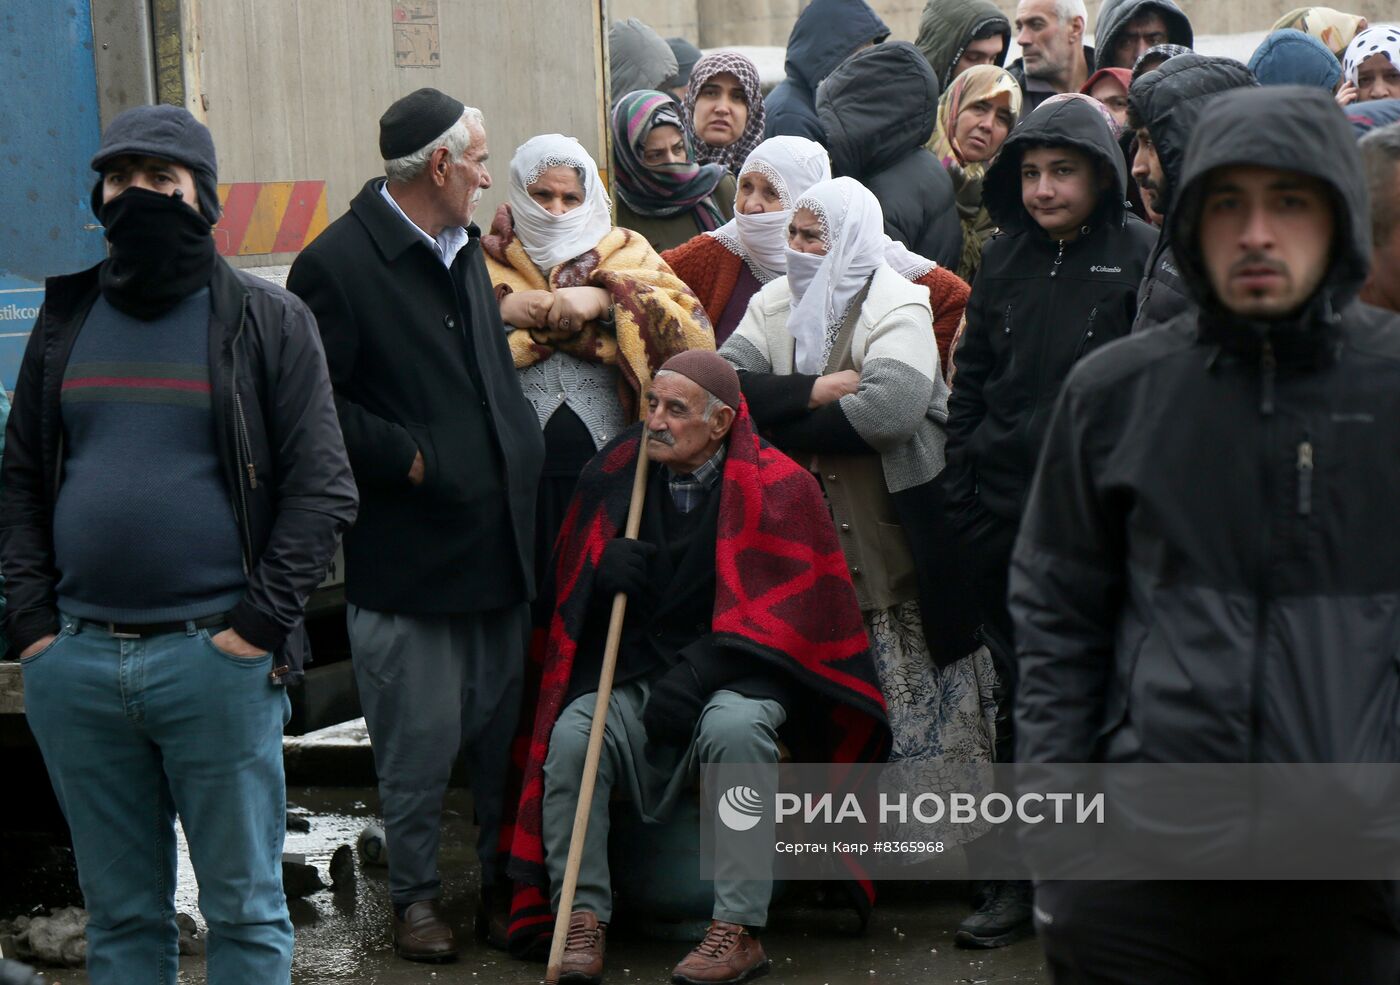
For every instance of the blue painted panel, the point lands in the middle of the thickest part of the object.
(49, 130)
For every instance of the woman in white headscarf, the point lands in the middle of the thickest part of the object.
(728, 266)
(840, 368)
(592, 312)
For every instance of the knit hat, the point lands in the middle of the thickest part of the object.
(709, 371)
(168, 132)
(686, 57)
(417, 118)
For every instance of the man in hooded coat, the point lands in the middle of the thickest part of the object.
(1232, 555)
(825, 35)
(1164, 106)
(1127, 28)
(948, 29)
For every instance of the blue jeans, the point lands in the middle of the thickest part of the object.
(134, 731)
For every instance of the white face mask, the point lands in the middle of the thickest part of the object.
(801, 271)
(764, 239)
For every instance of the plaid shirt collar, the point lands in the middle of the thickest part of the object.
(688, 491)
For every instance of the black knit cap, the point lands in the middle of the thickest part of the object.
(170, 133)
(414, 120)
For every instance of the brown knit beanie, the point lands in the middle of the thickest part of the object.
(708, 370)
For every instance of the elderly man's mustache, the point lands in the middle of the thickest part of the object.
(665, 437)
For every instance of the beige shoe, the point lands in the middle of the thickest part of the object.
(727, 955)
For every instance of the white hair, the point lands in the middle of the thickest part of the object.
(712, 403)
(1067, 10)
(456, 138)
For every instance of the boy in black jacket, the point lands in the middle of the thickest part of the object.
(1060, 281)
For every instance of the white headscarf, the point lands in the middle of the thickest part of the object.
(1383, 39)
(791, 165)
(823, 288)
(551, 239)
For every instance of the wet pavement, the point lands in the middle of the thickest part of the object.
(344, 937)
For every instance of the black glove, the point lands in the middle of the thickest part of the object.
(674, 706)
(625, 566)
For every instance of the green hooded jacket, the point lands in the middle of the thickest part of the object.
(946, 27)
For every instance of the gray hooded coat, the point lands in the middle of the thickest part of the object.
(638, 58)
(1206, 571)
(1114, 16)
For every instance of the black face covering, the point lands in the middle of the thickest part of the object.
(162, 252)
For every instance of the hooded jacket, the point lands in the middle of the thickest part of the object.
(825, 35)
(1168, 100)
(946, 28)
(877, 112)
(1114, 16)
(1291, 57)
(638, 58)
(1206, 571)
(1038, 307)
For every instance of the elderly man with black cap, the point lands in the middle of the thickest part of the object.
(742, 627)
(447, 453)
(175, 484)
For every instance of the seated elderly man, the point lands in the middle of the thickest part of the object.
(713, 665)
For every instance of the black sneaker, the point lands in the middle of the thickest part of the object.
(1004, 917)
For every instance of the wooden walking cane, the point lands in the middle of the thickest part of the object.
(595, 733)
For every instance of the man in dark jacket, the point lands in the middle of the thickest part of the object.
(955, 35)
(1229, 553)
(1054, 57)
(878, 110)
(1127, 28)
(438, 571)
(174, 488)
(827, 32)
(1060, 282)
(1164, 106)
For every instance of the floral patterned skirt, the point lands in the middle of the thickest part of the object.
(943, 722)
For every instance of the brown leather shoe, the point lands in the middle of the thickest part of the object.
(582, 963)
(728, 954)
(423, 935)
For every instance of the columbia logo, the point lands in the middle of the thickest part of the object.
(1105, 270)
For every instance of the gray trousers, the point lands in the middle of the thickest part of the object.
(732, 729)
(430, 684)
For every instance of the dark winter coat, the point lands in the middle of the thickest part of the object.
(1206, 571)
(1168, 101)
(419, 361)
(946, 28)
(1037, 308)
(1114, 16)
(278, 441)
(825, 35)
(878, 111)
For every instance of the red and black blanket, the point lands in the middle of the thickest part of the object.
(782, 594)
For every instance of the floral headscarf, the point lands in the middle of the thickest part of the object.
(1382, 40)
(976, 84)
(733, 156)
(663, 189)
(1333, 28)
